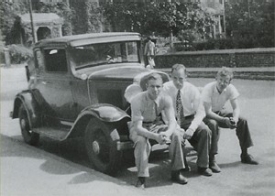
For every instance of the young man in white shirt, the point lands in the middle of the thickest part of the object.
(190, 113)
(214, 96)
(146, 109)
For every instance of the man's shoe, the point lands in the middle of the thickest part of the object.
(248, 159)
(214, 167)
(204, 171)
(141, 182)
(178, 177)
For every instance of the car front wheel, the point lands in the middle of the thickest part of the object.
(29, 136)
(101, 147)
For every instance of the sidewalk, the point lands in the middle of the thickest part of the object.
(257, 73)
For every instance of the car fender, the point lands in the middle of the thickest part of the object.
(104, 112)
(26, 98)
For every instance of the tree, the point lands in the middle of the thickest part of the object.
(251, 23)
(87, 17)
(162, 18)
(8, 13)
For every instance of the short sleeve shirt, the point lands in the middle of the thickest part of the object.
(145, 109)
(217, 100)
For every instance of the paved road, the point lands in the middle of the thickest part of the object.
(52, 168)
(55, 168)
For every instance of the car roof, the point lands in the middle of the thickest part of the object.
(92, 38)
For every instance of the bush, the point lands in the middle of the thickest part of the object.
(234, 43)
(19, 54)
(183, 46)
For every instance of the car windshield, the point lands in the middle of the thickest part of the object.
(105, 53)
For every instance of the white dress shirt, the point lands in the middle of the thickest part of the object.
(191, 101)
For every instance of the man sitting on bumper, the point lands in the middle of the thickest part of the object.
(146, 109)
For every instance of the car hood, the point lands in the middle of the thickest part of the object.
(120, 73)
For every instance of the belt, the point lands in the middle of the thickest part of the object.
(147, 122)
(190, 116)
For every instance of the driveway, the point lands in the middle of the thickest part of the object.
(257, 103)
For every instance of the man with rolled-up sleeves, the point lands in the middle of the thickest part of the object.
(146, 124)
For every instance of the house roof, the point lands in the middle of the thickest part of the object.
(41, 18)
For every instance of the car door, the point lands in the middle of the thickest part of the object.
(54, 84)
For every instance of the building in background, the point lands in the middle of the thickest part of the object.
(217, 9)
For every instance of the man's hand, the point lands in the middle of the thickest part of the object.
(161, 138)
(166, 137)
(230, 122)
(188, 134)
(233, 121)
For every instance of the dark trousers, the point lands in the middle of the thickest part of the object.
(201, 141)
(242, 131)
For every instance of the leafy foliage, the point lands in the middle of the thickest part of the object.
(251, 23)
(19, 53)
(8, 13)
(162, 18)
(87, 17)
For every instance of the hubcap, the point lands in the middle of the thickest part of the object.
(96, 147)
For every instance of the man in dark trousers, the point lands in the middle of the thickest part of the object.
(190, 113)
(214, 96)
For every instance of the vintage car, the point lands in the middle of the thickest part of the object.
(76, 89)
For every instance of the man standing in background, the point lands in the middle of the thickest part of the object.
(149, 53)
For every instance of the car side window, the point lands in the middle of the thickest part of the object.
(55, 60)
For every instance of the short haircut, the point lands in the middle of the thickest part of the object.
(177, 67)
(153, 76)
(225, 71)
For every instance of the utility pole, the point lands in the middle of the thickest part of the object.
(33, 33)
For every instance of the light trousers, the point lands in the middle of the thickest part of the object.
(143, 148)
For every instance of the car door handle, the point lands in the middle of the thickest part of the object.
(43, 82)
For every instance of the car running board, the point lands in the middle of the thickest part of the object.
(56, 133)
